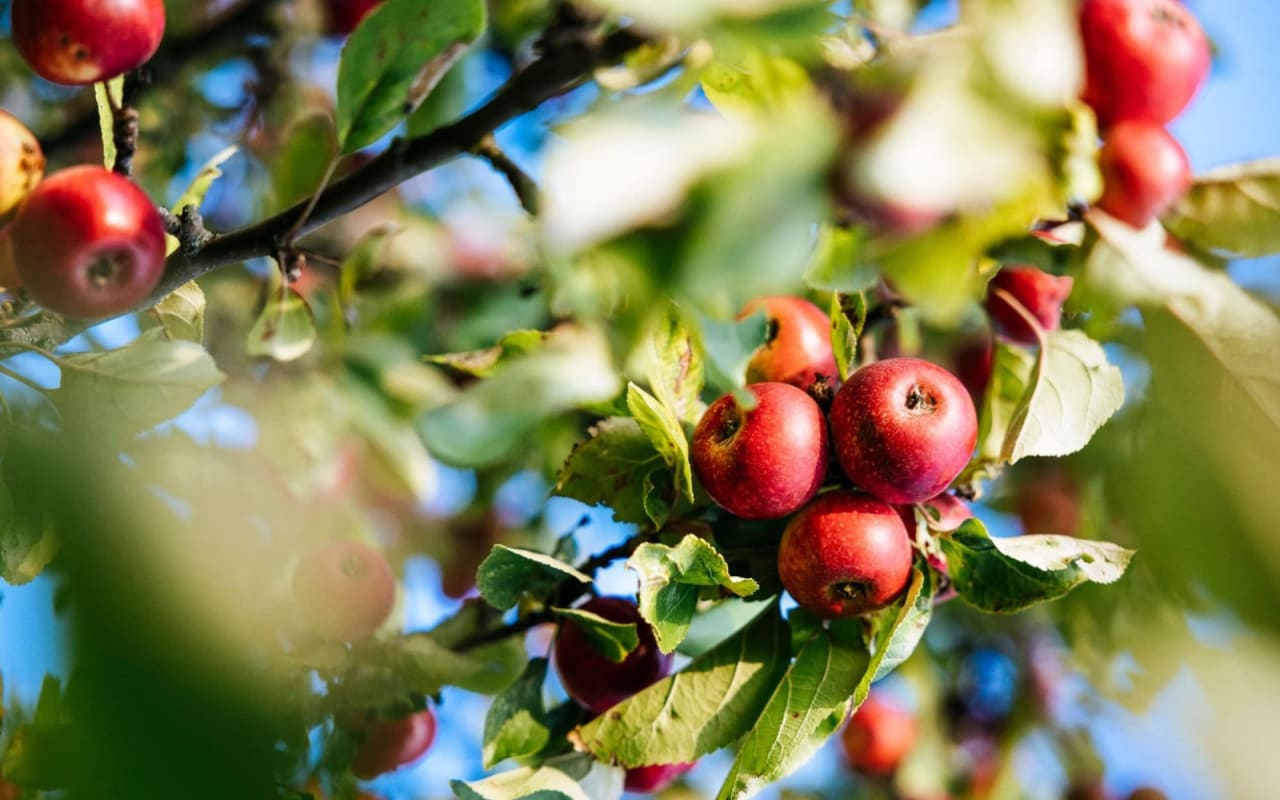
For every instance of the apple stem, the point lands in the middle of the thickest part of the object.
(1022, 312)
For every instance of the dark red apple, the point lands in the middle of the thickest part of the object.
(878, 737)
(346, 15)
(78, 42)
(798, 347)
(903, 429)
(21, 162)
(345, 590)
(1040, 294)
(1144, 59)
(388, 744)
(88, 243)
(845, 554)
(591, 679)
(655, 778)
(764, 463)
(1144, 172)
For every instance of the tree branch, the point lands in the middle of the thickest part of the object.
(525, 188)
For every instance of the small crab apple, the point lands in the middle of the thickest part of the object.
(388, 744)
(766, 462)
(346, 15)
(797, 349)
(1144, 59)
(845, 554)
(1144, 172)
(76, 42)
(21, 162)
(88, 243)
(590, 678)
(345, 590)
(1040, 294)
(878, 737)
(903, 429)
(655, 778)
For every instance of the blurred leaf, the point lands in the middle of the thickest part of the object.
(573, 777)
(299, 164)
(393, 61)
(1233, 209)
(37, 753)
(429, 665)
(729, 346)
(363, 260)
(707, 705)
(515, 726)
(665, 433)
(757, 84)
(286, 328)
(611, 468)
(848, 317)
(108, 94)
(1073, 391)
(181, 313)
(482, 363)
(672, 579)
(613, 640)
(894, 632)
(1011, 368)
(199, 187)
(835, 265)
(394, 443)
(27, 542)
(897, 14)
(1008, 575)
(509, 574)
(729, 21)
(676, 370)
(492, 417)
(807, 706)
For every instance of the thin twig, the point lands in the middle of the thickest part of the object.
(524, 186)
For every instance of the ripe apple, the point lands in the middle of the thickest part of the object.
(388, 744)
(1039, 293)
(655, 778)
(88, 243)
(1144, 59)
(21, 162)
(903, 429)
(763, 463)
(798, 347)
(591, 679)
(1144, 172)
(345, 590)
(78, 42)
(946, 513)
(845, 554)
(878, 737)
(346, 15)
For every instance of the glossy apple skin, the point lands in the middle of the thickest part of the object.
(21, 162)
(345, 590)
(346, 15)
(655, 778)
(903, 429)
(78, 42)
(1144, 172)
(764, 463)
(798, 350)
(88, 243)
(1144, 59)
(388, 744)
(845, 554)
(1040, 293)
(878, 737)
(592, 680)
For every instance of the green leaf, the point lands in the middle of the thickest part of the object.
(27, 542)
(482, 363)
(301, 160)
(573, 777)
(428, 665)
(848, 317)
(673, 578)
(612, 467)
(1011, 368)
(709, 704)
(142, 384)
(836, 266)
(396, 448)
(286, 328)
(181, 313)
(613, 640)
(665, 433)
(758, 84)
(676, 371)
(1073, 392)
(494, 416)
(199, 187)
(36, 756)
(894, 632)
(515, 726)
(1007, 575)
(362, 260)
(108, 94)
(808, 705)
(509, 574)
(1233, 209)
(729, 346)
(394, 59)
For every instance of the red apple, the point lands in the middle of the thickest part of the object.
(1144, 172)
(655, 778)
(946, 513)
(798, 347)
(345, 590)
(878, 737)
(1038, 292)
(763, 463)
(591, 679)
(88, 243)
(845, 554)
(346, 15)
(21, 162)
(1144, 59)
(903, 429)
(388, 744)
(78, 42)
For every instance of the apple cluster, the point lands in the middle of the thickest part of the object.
(900, 430)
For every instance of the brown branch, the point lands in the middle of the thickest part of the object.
(525, 188)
